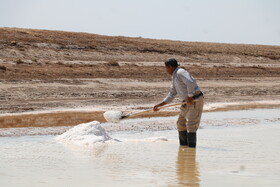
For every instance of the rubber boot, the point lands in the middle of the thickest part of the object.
(192, 139)
(183, 138)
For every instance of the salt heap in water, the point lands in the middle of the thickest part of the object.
(85, 134)
(113, 116)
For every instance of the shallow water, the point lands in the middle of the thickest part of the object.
(246, 153)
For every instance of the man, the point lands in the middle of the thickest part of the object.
(186, 87)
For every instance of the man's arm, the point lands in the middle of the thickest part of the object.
(172, 93)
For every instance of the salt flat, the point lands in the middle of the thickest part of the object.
(235, 148)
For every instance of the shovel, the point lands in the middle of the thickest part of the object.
(116, 116)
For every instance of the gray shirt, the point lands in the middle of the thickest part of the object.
(183, 84)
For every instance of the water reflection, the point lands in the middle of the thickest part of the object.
(187, 167)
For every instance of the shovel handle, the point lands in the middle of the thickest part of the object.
(175, 104)
(151, 110)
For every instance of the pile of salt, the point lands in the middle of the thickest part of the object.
(85, 134)
(113, 116)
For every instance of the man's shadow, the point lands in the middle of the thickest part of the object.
(187, 167)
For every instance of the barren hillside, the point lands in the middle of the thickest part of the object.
(123, 47)
(57, 54)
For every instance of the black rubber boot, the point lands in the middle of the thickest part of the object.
(183, 138)
(192, 139)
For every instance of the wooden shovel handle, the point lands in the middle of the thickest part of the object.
(151, 110)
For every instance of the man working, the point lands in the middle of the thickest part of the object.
(186, 87)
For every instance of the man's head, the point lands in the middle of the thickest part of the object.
(170, 65)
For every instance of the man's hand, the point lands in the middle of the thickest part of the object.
(190, 101)
(156, 107)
